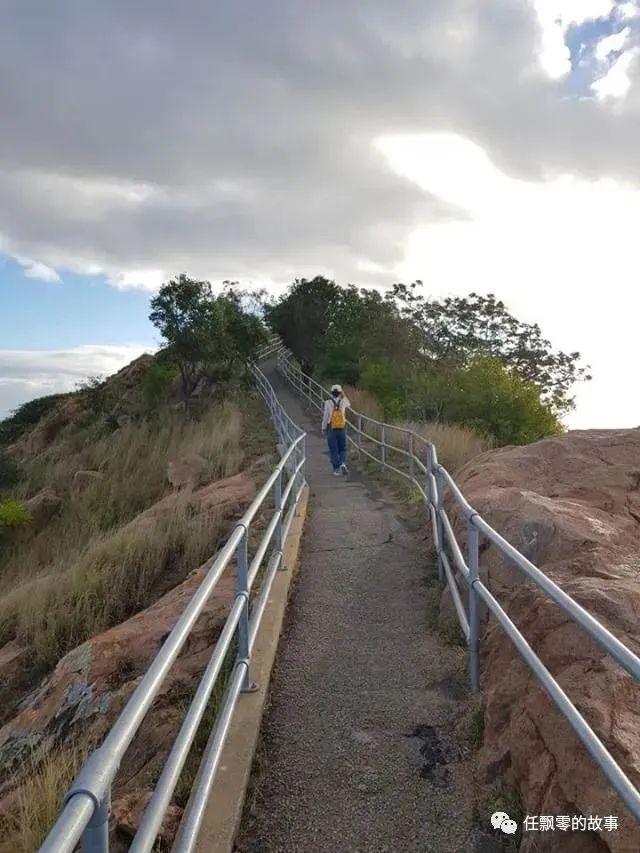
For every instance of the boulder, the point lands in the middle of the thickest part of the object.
(43, 506)
(571, 505)
(188, 471)
(87, 478)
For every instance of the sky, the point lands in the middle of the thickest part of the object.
(476, 145)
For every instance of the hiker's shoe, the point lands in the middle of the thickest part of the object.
(344, 468)
(337, 473)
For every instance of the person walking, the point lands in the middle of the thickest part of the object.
(334, 425)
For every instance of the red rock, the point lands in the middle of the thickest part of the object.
(571, 504)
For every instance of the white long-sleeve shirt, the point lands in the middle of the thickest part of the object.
(329, 406)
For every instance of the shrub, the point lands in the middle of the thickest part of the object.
(158, 382)
(13, 513)
(492, 399)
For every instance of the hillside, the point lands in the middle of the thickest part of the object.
(122, 495)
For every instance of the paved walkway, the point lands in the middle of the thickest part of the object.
(359, 751)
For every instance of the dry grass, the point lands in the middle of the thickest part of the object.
(38, 799)
(114, 577)
(92, 567)
(133, 461)
(455, 444)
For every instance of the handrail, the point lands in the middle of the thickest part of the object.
(432, 488)
(85, 813)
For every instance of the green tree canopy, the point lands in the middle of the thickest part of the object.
(208, 337)
(302, 318)
(464, 359)
(458, 329)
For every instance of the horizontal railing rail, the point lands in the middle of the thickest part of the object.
(432, 481)
(85, 814)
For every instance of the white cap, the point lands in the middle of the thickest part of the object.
(336, 388)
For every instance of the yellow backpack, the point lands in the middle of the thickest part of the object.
(337, 417)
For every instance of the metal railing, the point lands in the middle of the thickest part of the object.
(432, 480)
(85, 815)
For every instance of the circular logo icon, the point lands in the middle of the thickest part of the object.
(498, 818)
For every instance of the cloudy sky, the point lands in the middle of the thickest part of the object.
(487, 145)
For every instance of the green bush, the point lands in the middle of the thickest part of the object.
(496, 401)
(25, 417)
(13, 513)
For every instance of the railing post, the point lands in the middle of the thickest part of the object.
(277, 501)
(439, 511)
(437, 502)
(412, 468)
(473, 546)
(95, 838)
(242, 588)
(359, 436)
(303, 444)
(383, 455)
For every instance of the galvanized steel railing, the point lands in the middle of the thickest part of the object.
(85, 815)
(432, 480)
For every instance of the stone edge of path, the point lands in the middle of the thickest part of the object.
(224, 810)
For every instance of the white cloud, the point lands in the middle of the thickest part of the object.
(616, 83)
(555, 18)
(612, 44)
(26, 374)
(627, 11)
(560, 252)
(35, 269)
(139, 279)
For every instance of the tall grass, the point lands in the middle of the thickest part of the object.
(133, 461)
(455, 444)
(42, 786)
(116, 575)
(93, 566)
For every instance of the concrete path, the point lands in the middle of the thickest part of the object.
(359, 752)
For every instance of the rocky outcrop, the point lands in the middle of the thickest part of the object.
(86, 478)
(43, 506)
(189, 471)
(571, 504)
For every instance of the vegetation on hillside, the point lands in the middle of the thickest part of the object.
(26, 417)
(465, 361)
(91, 564)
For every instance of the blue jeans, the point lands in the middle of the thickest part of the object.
(337, 440)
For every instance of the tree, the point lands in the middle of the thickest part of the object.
(208, 337)
(458, 329)
(302, 318)
(364, 327)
